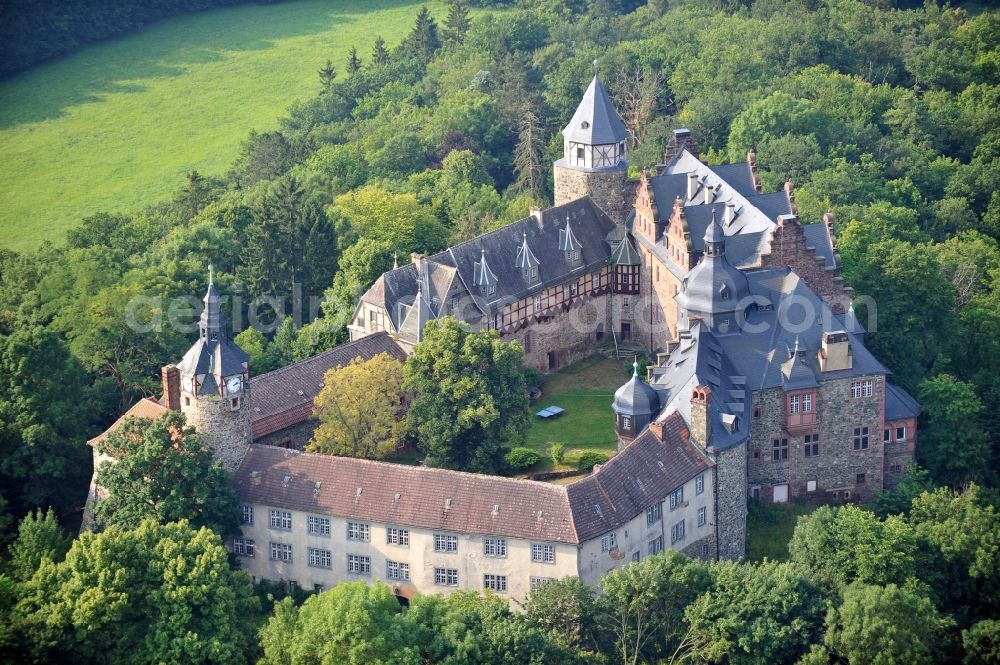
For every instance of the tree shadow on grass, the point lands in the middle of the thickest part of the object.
(168, 49)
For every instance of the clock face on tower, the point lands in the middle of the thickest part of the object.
(234, 384)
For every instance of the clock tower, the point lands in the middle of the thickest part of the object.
(214, 391)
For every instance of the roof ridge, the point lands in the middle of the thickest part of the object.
(321, 354)
(557, 489)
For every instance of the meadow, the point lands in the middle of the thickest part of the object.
(117, 125)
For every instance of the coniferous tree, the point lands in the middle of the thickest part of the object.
(326, 76)
(529, 157)
(423, 39)
(353, 61)
(457, 23)
(380, 54)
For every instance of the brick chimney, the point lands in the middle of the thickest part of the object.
(171, 387)
(536, 213)
(790, 191)
(701, 425)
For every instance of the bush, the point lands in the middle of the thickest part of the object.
(519, 459)
(587, 461)
(557, 451)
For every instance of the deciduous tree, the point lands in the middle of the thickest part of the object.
(359, 409)
(160, 593)
(471, 400)
(163, 471)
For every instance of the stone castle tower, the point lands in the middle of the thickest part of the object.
(211, 386)
(594, 161)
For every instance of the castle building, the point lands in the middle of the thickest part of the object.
(762, 386)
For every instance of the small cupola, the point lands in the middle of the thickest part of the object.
(527, 262)
(483, 277)
(569, 245)
(635, 405)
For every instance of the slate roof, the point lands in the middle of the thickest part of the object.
(818, 238)
(542, 234)
(406, 495)
(629, 483)
(699, 360)
(636, 398)
(899, 404)
(596, 122)
(285, 396)
(148, 408)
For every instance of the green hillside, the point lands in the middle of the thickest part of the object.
(117, 125)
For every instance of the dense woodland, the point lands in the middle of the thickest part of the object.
(885, 116)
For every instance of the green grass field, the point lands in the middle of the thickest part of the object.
(117, 125)
(770, 527)
(585, 389)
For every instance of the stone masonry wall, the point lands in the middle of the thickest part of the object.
(296, 436)
(570, 334)
(836, 468)
(225, 430)
(731, 501)
(898, 452)
(706, 549)
(606, 188)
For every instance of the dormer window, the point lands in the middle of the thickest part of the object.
(530, 274)
(573, 256)
(724, 292)
(581, 153)
(489, 289)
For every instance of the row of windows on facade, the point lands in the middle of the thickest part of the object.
(358, 564)
(810, 442)
(609, 542)
(360, 531)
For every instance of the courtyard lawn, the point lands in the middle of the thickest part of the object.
(770, 527)
(117, 125)
(585, 389)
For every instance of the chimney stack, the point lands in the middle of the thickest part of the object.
(701, 425)
(752, 162)
(692, 185)
(418, 261)
(536, 213)
(729, 215)
(708, 193)
(171, 387)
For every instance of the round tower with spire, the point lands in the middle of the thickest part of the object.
(214, 385)
(636, 404)
(594, 161)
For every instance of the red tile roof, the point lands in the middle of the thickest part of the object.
(284, 397)
(148, 408)
(647, 471)
(405, 495)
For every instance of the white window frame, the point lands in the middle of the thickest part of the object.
(901, 437)
(653, 513)
(496, 583)
(359, 531)
(676, 498)
(677, 532)
(396, 536)
(244, 546)
(319, 558)
(535, 582)
(279, 519)
(446, 576)
(444, 542)
(495, 547)
(397, 570)
(281, 552)
(655, 546)
(807, 403)
(702, 516)
(793, 403)
(609, 542)
(359, 564)
(699, 484)
(543, 553)
(318, 526)
(247, 516)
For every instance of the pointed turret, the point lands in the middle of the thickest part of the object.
(214, 384)
(594, 161)
(526, 260)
